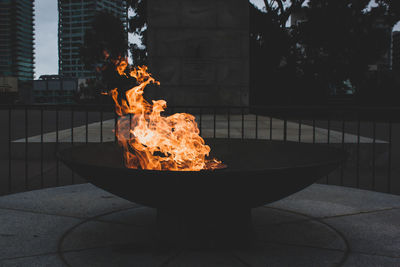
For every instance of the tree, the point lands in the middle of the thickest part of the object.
(273, 52)
(279, 11)
(106, 38)
(105, 43)
(391, 8)
(342, 38)
(138, 25)
(332, 47)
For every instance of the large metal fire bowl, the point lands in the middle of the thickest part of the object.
(258, 172)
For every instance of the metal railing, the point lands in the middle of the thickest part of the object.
(32, 134)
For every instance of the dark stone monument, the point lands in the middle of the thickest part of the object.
(199, 51)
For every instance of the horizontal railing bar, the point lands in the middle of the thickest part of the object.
(252, 109)
(270, 107)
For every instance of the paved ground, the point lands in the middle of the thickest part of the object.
(81, 225)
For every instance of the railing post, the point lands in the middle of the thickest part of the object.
(256, 126)
(389, 183)
(215, 122)
(313, 127)
(41, 148)
(358, 152)
(373, 154)
(270, 128)
(201, 120)
(328, 140)
(72, 139)
(242, 109)
(229, 122)
(343, 136)
(101, 124)
(72, 125)
(115, 126)
(26, 150)
(285, 129)
(329, 130)
(9, 151)
(57, 161)
(86, 126)
(299, 130)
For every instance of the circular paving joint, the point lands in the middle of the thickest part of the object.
(126, 237)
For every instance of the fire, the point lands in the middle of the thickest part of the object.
(154, 142)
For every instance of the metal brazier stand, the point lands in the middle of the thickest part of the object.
(209, 207)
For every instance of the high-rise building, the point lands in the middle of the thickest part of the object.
(17, 39)
(75, 17)
(396, 51)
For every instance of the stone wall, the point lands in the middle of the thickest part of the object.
(199, 51)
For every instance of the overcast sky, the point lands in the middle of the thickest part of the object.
(46, 47)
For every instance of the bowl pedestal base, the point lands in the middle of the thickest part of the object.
(205, 228)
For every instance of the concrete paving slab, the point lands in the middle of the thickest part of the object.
(273, 216)
(371, 233)
(142, 217)
(284, 255)
(26, 233)
(205, 258)
(51, 260)
(362, 260)
(301, 233)
(251, 125)
(93, 234)
(81, 201)
(120, 256)
(340, 200)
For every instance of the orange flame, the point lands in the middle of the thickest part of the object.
(154, 142)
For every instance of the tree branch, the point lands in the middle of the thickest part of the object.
(286, 14)
(280, 5)
(268, 6)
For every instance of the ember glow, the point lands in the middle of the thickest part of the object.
(152, 141)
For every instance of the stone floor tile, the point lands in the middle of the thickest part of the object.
(371, 233)
(36, 261)
(93, 234)
(302, 233)
(120, 256)
(263, 216)
(141, 216)
(27, 233)
(205, 258)
(284, 255)
(83, 200)
(362, 260)
(315, 199)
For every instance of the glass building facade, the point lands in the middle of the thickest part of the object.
(75, 17)
(17, 39)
